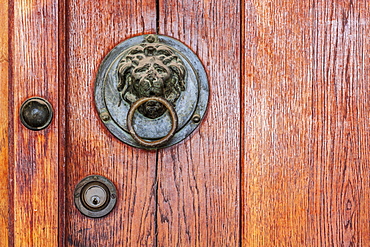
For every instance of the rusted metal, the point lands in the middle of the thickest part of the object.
(156, 143)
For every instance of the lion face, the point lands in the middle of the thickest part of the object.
(150, 76)
(151, 70)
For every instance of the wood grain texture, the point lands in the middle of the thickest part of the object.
(4, 148)
(339, 143)
(199, 179)
(94, 28)
(62, 77)
(34, 164)
(306, 105)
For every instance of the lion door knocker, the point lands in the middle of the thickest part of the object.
(151, 91)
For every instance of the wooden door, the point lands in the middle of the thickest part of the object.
(281, 158)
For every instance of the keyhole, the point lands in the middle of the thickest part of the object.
(95, 200)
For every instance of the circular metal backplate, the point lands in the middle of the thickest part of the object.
(95, 196)
(113, 107)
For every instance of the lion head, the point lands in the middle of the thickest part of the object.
(151, 69)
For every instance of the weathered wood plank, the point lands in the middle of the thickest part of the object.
(198, 179)
(339, 141)
(94, 28)
(4, 148)
(34, 72)
(276, 122)
(305, 93)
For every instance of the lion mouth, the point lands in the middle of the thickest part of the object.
(153, 106)
(152, 109)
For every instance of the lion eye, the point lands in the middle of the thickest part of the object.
(142, 69)
(160, 70)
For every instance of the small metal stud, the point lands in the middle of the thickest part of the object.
(105, 116)
(150, 38)
(36, 113)
(196, 118)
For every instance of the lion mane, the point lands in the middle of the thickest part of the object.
(172, 86)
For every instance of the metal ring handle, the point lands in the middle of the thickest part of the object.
(161, 141)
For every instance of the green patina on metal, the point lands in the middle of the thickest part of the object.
(151, 67)
(151, 70)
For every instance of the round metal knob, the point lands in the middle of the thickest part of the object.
(36, 113)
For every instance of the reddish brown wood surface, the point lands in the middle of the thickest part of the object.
(94, 28)
(4, 150)
(305, 124)
(299, 142)
(34, 164)
(198, 179)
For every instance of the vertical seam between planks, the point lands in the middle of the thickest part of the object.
(11, 126)
(242, 117)
(156, 199)
(157, 16)
(62, 63)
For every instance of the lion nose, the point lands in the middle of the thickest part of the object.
(151, 77)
